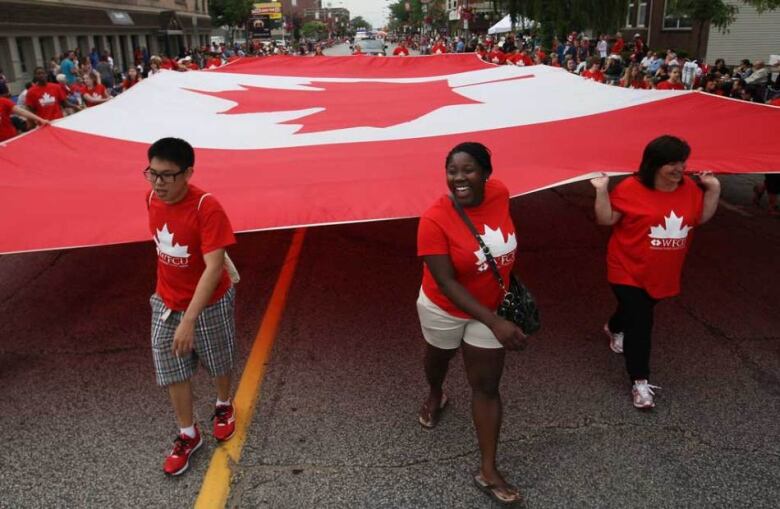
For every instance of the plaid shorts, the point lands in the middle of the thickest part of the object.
(214, 342)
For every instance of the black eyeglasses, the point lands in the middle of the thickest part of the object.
(167, 178)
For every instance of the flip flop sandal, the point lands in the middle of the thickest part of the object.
(494, 493)
(435, 415)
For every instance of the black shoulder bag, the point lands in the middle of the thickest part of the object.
(518, 305)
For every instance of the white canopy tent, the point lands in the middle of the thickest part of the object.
(505, 25)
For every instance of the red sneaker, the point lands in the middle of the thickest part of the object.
(178, 460)
(224, 422)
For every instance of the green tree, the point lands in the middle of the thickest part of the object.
(559, 17)
(230, 13)
(400, 16)
(359, 23)
(314, 30)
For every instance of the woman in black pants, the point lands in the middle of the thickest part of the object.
(652, 214)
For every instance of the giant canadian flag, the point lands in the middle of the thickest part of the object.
(289, 141)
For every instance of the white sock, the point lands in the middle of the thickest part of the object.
(189, 432)
(223, 403)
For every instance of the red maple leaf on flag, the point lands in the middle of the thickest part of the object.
(345, 105)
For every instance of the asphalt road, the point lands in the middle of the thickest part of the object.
(83, 424)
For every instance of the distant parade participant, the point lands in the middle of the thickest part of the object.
(45, 99)
(652, 214)
(194, 300)
(401, 50)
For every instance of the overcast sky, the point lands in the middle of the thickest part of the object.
(373, 11)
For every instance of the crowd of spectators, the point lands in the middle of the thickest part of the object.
(614, 61)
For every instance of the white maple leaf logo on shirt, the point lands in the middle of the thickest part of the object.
(494, 240)
(46, 99)
(672, 230)
(165, 245)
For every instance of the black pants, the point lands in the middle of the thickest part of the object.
(634, 318)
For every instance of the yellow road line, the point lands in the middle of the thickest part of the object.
(216, 484)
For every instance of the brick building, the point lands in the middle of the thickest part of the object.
(34, 31)
(752, 35)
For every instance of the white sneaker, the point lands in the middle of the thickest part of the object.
(642, 393)
(615, 340)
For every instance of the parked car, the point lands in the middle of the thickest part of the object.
(373, 47)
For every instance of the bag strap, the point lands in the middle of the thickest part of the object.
(485, 250)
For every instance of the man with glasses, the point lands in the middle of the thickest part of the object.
(193, 303)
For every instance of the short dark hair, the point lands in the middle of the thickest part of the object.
(478, 151)
(662, 150)
(174, 150)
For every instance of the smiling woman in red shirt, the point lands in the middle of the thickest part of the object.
(459, 297)
(94, 93)
(133, 78)
(652, 214)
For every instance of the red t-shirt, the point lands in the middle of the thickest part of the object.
(775, 102)
(443, 232)
(497, 57)
(593, 75)
(45, 100)
(649, 243)
(127, 84)
(7, 129)
(668, 85)
(183, 234)
(98, 90)
(402, 51)
(214, 62)
(618, 47)
(438, 49)
(638, 84)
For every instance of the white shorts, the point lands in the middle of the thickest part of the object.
(442, 330)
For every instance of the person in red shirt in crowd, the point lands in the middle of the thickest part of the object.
(617, 48)
(652, 214)
(711, 85)
(133, 78)
(8, 108)
(401, 50)
(45, 99)
(554, 62)
(194, 300)
(513, 57)
(168, 64)
(318, 52)
(481, 51)
(357, 50)
(497, 56)
(214, 62)
(639, 46)
(633, 78)
(459, 297)
(526, 58)
(540, 54)
(674, 82)
(439, 48)
(594, 71)
(94, 93)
